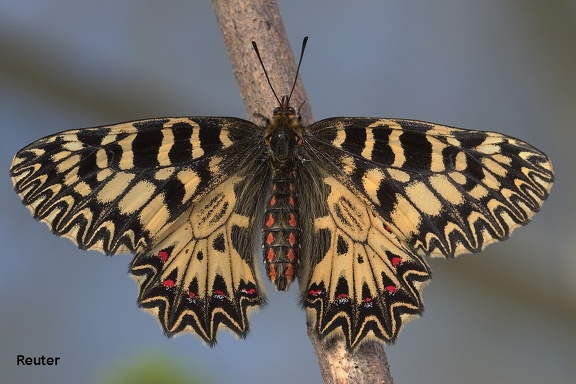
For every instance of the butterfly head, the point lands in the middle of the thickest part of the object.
(284, 109)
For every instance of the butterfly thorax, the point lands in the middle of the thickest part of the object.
(280, 228)
(283, 134)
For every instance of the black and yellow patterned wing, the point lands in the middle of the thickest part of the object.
(179, 193)
(393, 191)
(361, 201)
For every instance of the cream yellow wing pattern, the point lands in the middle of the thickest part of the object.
(353, 205)
(178, 193)
(392, 192)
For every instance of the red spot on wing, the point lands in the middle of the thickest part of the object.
(342, 296)
(291, 201)
(168, 283)
(391, 288)
(163, 255)
(315, 292)
(249, 291)
(273, 199)
(368, 302)
(396, 260)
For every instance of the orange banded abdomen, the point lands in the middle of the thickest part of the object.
(281, 231)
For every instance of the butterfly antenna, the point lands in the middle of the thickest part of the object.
(298, 68)
(265, 72)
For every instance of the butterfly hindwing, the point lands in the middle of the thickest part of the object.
(366, 282)
(202, 273)
(169, 191)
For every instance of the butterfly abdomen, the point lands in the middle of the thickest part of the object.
(280, 227)
(281, 231)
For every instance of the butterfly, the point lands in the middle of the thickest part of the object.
(348, 206)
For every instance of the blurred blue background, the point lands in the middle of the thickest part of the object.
(507, 315)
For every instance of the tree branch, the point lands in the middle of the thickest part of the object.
(244, 21)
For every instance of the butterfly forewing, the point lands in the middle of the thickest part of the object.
(444, 190)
